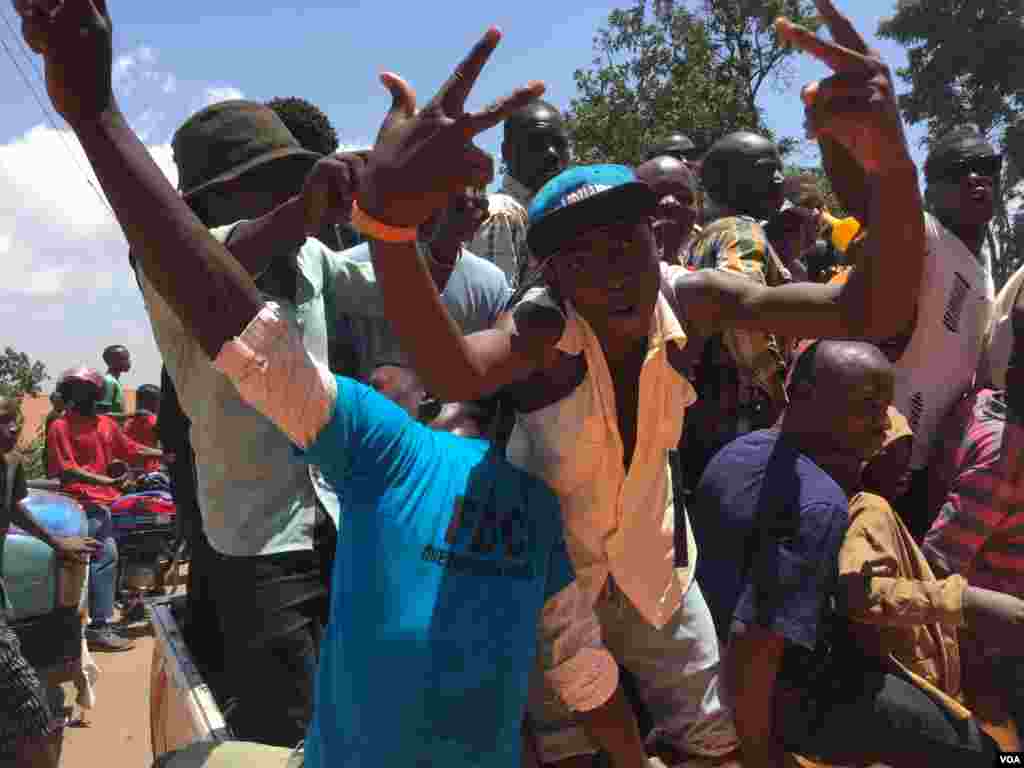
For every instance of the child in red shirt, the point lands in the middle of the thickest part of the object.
(141, 425)
(81, 445)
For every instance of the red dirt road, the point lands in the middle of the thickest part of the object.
(117, 730)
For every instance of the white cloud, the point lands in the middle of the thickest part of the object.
(123, 66)
(66, 259)
(148, 123)
(214, 95)
(45, 282)
(69, 290)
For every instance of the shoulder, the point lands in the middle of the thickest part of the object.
(747, 453)
(823, 504)
(982, 421)
(761, 441)
(481, 270)
(359, 254)
(745, 232)
(500, 204)
(539, 315)
(817, 485)
(864, 506)
(59, 424)
(107, 424)
(688, 284)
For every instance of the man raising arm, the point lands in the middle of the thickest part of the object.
(493, 552)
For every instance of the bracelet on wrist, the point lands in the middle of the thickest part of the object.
(378, 230)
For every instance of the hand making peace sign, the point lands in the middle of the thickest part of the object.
(421, 158)
(856, 106)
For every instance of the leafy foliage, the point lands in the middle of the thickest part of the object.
(34, 456)
(19, 375)
(966, 61)
(667, 66)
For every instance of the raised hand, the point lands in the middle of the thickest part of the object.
(421, 158)
(329, 189)
(74, 37)
(856, 106)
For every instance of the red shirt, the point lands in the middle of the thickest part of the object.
(88, 443)
(141, 427)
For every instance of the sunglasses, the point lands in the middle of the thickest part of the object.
(989, 166)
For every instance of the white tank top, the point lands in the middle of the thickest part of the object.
(940, 361)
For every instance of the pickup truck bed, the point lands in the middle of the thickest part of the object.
(182, 707)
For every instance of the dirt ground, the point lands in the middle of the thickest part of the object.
(116, 730)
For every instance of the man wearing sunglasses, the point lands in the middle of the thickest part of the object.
(936, 362)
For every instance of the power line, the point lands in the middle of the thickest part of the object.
(46, 112)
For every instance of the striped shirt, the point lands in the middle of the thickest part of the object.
(747, 367)
(501, 239)
(980, 529)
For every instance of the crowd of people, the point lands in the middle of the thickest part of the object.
(612, 461)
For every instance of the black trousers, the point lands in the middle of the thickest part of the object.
(880, 718)
(1010, 670)
(269, 610)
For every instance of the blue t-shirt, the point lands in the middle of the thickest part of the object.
(475, 295)
(445, 558)
(769, 523)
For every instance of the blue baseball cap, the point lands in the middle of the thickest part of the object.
(583, 198)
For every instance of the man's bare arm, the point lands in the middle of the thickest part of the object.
(83, 476)
(456, 367)
(752, 665)
(855, 115)
(25, 520)
(877, 302)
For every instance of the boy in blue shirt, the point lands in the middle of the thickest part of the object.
(450, 558)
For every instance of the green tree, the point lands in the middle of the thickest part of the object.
(21, 376)
(667, 66)
(966, 66)
(34, 456)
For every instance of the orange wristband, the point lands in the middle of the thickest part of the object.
(378, 230)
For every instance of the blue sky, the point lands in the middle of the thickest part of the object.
(68, 291)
